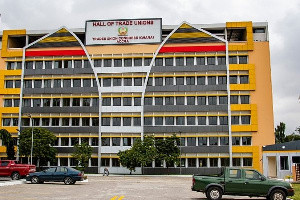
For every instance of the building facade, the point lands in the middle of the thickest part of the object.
(209, 84)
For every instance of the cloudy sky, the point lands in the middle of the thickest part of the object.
(282, 17)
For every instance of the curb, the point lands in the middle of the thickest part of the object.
(9, 183)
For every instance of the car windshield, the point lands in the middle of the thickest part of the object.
(52, 169)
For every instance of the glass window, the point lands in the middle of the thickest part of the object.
(27, 102)
(148, 121)
(47, 83)
(45, 121)
(136, 121)
(26, 122)
(57, 64)
(202, 141)
(213, 141)
(200, 61)
(246, 141)
(245, 99)
(212, 100)
(244, 79)
(39, 65)
(86, 102)
(19, 65)
(169, 100)
(223, 120)
(105, 162)
(17, 84)
(169, 81)
(106, 82)
(127, 81)
(95, 121)
(191, 141)
(236, 162)
(179, 100)
(190, 80)
(117, 101)
(27, 83)
(117, 62)
(95, 102)
(201, 120)
(66, 101)
(158, 101)
(57, 83)
(213, 162)
(202, 162)
(77, 64)
(180, 121)
(76, 102)
(247, 162)
(6, 121)
(158, 121)
(126, 121)
(150, 81)
(137, 81)
(243, 59)
(211, 61)
(115, 162)
(233, 80)
(224, 141)
(158, 62)
(10, 66)
(169, 61)
(223, 100)
(190, 100)
(158, 81)
(234, 99)
(128, 62)
(127, 141)
(169, 120)
(55, 102)
(137, 101)
(179, 80)
(16, 102)
(48, 64)
(37, 83)
(98, 63)
(211, 80)
(137, 61)
(64, 141)
(105, 141)
(66, 121)
(190, 61)
(55, 121)
(107, 62)
(10, 84)
(245, 119)
(235, 120)
(68, 64)
(105, 121)
(191, 162)
(148, 101)
(75, 121)
(182, 141)
(86, 64)
(221, 60)
(29, 65)
(117, 81)
(87, 83)
(201, 80)
(76, 82)
(147, 61)
(224, 162)
(8, 103)
(95, 141)
(179, 61)
(191, 120)
(201, 100)
(222, 80)
(116, 122)
(236, 141)
(46, 102)
(127, 101)
(232, 60)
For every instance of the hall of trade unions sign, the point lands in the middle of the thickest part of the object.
(124, 31)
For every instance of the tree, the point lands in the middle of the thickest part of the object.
(43, 141)
(7, 141)
(128, 159)
(82, 154)
(168, 150)
(280, 133)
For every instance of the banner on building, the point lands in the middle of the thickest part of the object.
(124, 31)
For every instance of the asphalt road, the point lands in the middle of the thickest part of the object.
(107, 188)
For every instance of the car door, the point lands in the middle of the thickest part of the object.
(255, 183)
(60, 174)
(4, 168)
(47, 174)
(233, 181)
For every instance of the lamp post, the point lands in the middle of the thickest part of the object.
(31, 122)
(180, 151)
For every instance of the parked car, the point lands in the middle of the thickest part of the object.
(241, 182)
(15, 170)
(67, 175)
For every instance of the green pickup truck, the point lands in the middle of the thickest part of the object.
(241, 182)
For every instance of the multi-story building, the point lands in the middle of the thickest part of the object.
(118, 80)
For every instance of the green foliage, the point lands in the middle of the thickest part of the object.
(43, 141)
(280, 133)
(7, 141)
(168, 150)
(128, 159)
(82, 154)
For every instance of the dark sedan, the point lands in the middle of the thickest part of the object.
(67, 175)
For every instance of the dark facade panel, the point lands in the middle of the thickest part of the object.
(59, 71)
(60, 109)
(185, 108)
(198, 68)
(205, 149)
(72, 90)
(186, 88)
(188, 129)
(71, 149)
(69, 129)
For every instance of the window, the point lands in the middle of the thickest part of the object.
(211, 61)
(201, 80)
(16, 102)
(116, 122)
(116, 141)
(202, 141)
(236, 162)
(107, 62)
(95, 121)
(57, 83)
(68, 64)
(191, 121)
(200, 61)
(190, 80)
(158, 101)
(158, 121)
(66, 102)
(223, 100)
(247, 162)
(37, 83)
(106, 82)
(115, 162)
(86, 64)
(8, 103)
(224, 141)
(127, 81)
(182, 141)
(158, 81)
(84, 140)
(235, 120)
(222, 80)
(75, 121)
(232, 60)
(148, 121)
(169, 81)
(46, 102)
(86, 102)
(27, 84)
(105, 141)
(137, 61)
(127, 141)
(97, 63)
(6, 121)
(36, 122)
(136, 121)
(179, 100)
(236, 141)
(105, 162)
(222, 60)
(87, 83)
(47, 83)
(233, 80)
(159, 163)
(137, 101)
(180, 121)
(244, 79)
(147, 61)
(223, 120)
(117, 81)
(179, 80)
(191, 162)
(211, 80)
(57, 64)
(245, 119)
(26, 122)
(224, 162)
(127, 101)
(64, 141)
(48, 64)
(76, 82)
(45, 121)
(158, 62)
(246, 141)
(213, 141)
(245, 99)
(169, 100)
(55, 121)
(190, 61)
(137, 81)
(202, 162)
(148, 101)
(78, 63)
(95, 141)
(179, 61)
(56, 102)
(65, 121)
(27, 102)
(169, 120)
(74, 141)
(10, 84)
(10, 66)
(19, 65)
(117, 101)
(128, 62)
(169, 62)
(29, 65)
(234, 99)
(212, 100)
(117, 62)
(212, 120)
(95, 102)
(126, 121)
(201, 100)
(201, 120)
(76, 102)
(150, 81)
(213, 162)
(243, 60)
(191, 141)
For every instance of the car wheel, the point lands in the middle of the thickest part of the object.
(214, 193)
(15, 176)
(68, 180)
(278, 195)
(73, 182)
(35, 180)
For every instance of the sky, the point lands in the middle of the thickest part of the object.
(281, 16)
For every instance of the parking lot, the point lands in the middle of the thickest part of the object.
(108, 188)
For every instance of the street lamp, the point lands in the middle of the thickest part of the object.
(31, 122)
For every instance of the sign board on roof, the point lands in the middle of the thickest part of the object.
(124, 31)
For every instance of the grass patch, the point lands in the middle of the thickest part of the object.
(297, 191)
